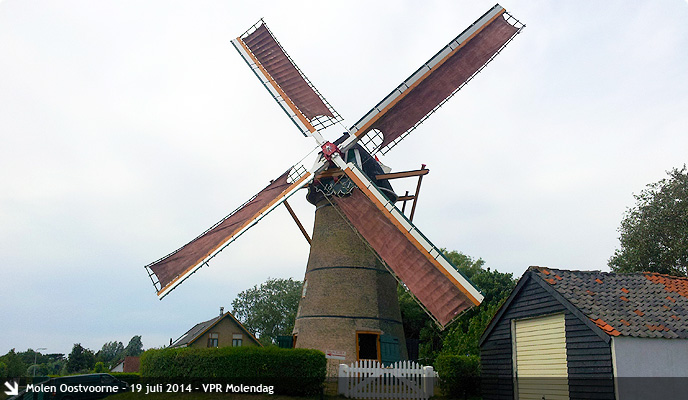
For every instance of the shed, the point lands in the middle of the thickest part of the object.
(588, 335)
(221, 331)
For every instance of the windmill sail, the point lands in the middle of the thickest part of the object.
(174, 268)
(422, 267)
(435, 81)
(284, 80)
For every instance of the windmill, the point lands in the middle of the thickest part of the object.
(362, 244)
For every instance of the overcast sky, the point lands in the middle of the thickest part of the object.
(129, 127)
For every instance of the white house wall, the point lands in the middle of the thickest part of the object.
(650, 357)
(650, 368)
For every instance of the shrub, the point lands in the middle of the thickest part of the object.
(290, 371)
(128, 377)
(99, 367)
(4, 371)
(459, 376)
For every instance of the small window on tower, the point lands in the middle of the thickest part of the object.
(213, 339)
(305, 286)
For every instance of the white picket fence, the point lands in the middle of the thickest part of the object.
(368, 379)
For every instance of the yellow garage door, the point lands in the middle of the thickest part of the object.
(540, 357)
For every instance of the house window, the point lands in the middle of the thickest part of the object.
(213, 339)
(368, 345)
(237, 338)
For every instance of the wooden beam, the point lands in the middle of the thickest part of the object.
(404, 174)
(415, 197)
(296, 219)
(404, 198)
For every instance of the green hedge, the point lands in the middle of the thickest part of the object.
(290, 371)
(128, 377)
(459, 375)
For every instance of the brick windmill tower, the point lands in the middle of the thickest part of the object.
(362, 244)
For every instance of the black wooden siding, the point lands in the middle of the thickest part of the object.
(589, 357)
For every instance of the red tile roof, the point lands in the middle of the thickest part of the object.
(671, 283)
(606, 327)
(639, 305)
(657, 327)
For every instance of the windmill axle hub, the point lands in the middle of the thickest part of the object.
(329, 149)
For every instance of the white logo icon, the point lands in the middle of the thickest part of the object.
(13, 390)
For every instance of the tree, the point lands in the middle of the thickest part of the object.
(464, 264)
(110, 352)
(15, 366)
(4, 371)
(467, 342)
(56, 364)
(464, 337)
(37, 370)
(100, 367)
(30, 355)
(80, 359)
(269, 310)
(654, 232)
(135, 347)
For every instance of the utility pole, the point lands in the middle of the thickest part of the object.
(35, 357)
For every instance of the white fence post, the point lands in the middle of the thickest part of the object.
(343, 384)
(428, 380)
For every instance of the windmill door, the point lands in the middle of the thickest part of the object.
(540, 358)
(285, 342)
(390, 352)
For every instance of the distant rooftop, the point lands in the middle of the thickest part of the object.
(193, 333)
